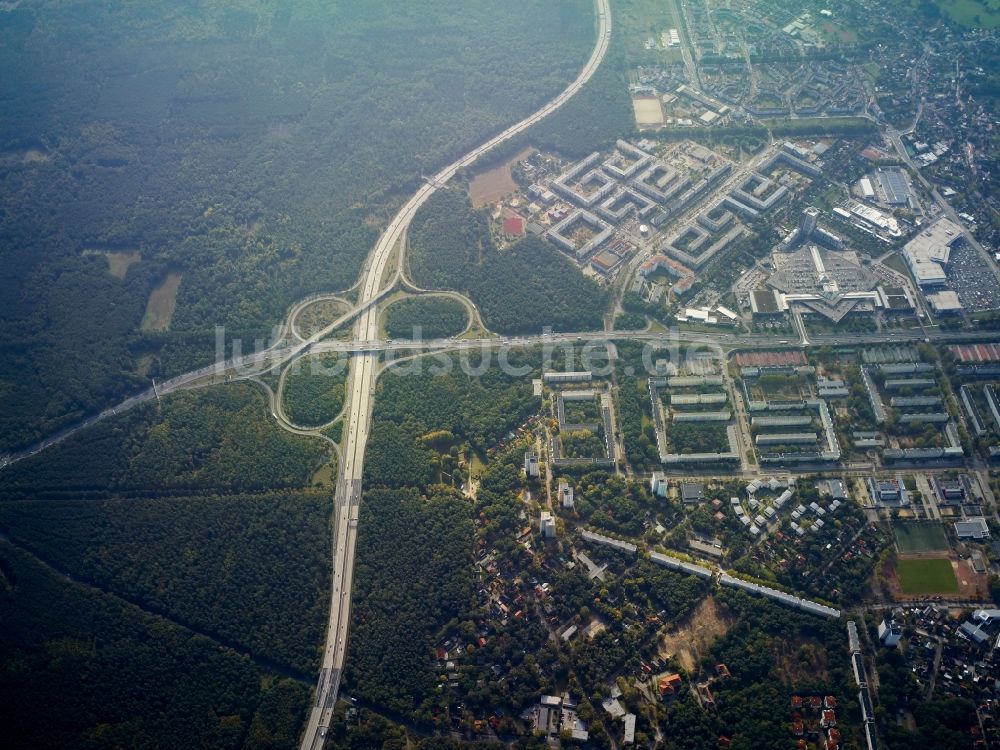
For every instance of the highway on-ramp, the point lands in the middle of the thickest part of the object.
(362, 378)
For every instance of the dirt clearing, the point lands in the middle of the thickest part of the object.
(648, 111)
(494, 184)
(696, 633)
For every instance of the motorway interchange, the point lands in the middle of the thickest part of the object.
(360, 383)
(365, 366)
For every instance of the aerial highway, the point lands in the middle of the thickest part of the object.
(358, 414)
(250, 366)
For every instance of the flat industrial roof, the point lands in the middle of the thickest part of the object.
(765, 301)
(930, 250)
(893, 185)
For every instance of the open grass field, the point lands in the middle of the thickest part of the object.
(118, 261)
(319, 314)
(916, 536)
(926, 576)
(979, 14)
(640, 20)
(161, 304)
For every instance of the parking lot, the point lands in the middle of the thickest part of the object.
(973, 280)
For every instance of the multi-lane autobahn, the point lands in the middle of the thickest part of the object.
(362, 378)
(254, 365)
(366, 351)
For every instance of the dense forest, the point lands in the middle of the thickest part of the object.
(610, 503)
(521, 289)
(83, 669)
(599, 114)
(249, 571)
(232, 566)
(413, 574)
(220, 438)
(251, 150)
(419, 415)
(367, 730)
(314, 389)
(436, 317)
(480, 408)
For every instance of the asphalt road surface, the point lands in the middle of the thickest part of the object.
(364, 368)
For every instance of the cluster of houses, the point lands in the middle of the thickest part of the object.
(956, 654)
(814, 718)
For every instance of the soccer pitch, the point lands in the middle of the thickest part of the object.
(926, 576)
(920, 536)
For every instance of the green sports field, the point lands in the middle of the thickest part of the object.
(920, 536)
(930, 576)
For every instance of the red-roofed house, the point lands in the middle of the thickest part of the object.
(668, 685)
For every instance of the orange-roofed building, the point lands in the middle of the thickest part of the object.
(513, 226)
(682, 285)
(669, 684)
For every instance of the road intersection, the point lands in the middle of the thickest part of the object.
(361, 381)
(366, 351)
(251, 367)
